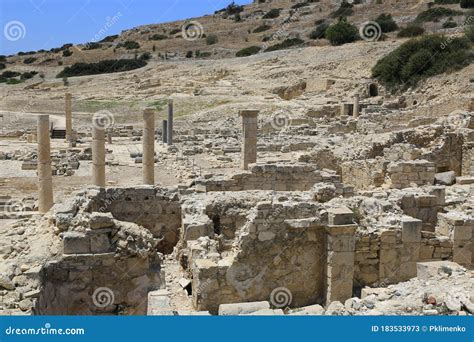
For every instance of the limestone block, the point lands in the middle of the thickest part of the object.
(76, 243)
(411, 229)
(100, 243)
(159, 303)
(340, 216)
(242, 308)
(101, 220)
(464, 232)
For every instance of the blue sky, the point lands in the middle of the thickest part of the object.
(28, 25)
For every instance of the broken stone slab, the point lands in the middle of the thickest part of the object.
(193, 313)
(242, 308)
(267, 312)
(183, 282)
(311, 310)
(76, 243)
(445, 178)
(159, 303)
(427, 270)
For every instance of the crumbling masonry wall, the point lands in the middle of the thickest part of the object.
(278, 177)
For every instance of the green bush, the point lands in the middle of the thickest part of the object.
(157, 36)
(449, 24)
(174, 31)
(10, 74)
(29, 60)
(411, 31)
(92, 46)
(341, 32)
(421, 58)
(2, 66)
(262, 28)
(28, 75)
(14, 81)
(211, 39)
(436, 13)
(287, 43)
(129, 45)
(204, 54)
(248, 51)
(145, 56)
(469, 32)
(273, 13)
(67, 53)
(102, 67)
(467, 3)
(344, 10)
(319, 31)
(3, 58)
(447, 2)
(109, 39)
(386, 22)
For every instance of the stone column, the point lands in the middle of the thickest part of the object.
(109, 136)
(170, 122)
(68, 111)
(148, 146)
(356, 105)
(411, 241)
(45, 177)
(98, 151)
(340, 254)
(347, 109)
(165, 132)
(249, 134)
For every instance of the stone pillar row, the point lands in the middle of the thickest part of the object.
(248, 155)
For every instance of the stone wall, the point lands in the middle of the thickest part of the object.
(156, 209)
(278, 177)
(403, 174)
(106, 269)
(363, 174)
(390, 256)
(459, 228)
(301, 248)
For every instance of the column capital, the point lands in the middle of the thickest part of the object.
(249, 113)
